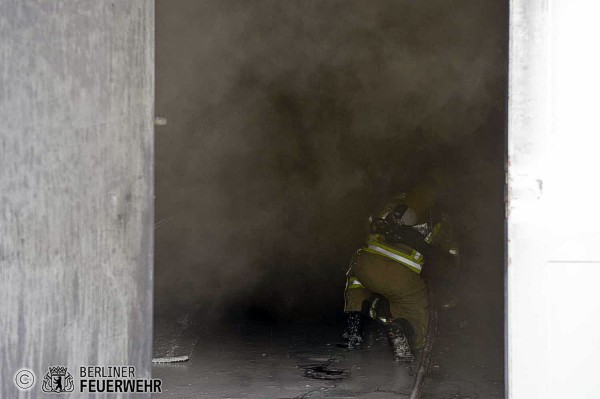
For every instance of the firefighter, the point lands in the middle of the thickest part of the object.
(385, 278)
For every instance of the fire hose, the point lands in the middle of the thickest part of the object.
(417, 389)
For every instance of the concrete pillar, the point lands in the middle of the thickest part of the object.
(76, 186)
(553, 195)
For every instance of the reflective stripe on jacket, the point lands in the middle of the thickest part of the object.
(406, 256)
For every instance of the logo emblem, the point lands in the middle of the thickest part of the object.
(57, 380)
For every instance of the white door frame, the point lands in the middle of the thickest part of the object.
(553, 205)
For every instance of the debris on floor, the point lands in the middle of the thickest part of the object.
(170, 359)
(326, 372)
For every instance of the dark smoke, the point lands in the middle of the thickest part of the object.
(290, 120)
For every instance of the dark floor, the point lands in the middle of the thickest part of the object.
(467, 360)
(267, 361)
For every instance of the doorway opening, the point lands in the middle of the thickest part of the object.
(286, 124)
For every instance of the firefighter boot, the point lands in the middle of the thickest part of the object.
(400, 336)
(353, 332)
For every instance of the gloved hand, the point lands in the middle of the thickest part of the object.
(440, 266)
(441, 270)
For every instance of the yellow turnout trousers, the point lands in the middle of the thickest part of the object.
(371, 275)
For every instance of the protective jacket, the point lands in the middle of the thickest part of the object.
(415, 248)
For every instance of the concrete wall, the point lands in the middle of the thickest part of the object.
(76, 213)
